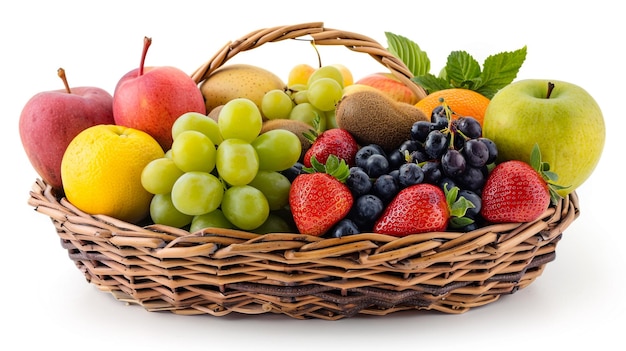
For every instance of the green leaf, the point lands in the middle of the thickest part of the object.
(409, 53)
(458, 205)
(461, 68)
(543, 168)
(501, 69)
(460, 222)
(430, 83)
(535, 159)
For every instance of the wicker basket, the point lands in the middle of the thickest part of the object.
(219, 271)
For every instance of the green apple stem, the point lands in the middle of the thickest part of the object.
(146, 44)
(61, 73)
(550, 88)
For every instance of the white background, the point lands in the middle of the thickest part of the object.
(577, 302)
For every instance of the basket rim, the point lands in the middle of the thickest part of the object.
(47, 200)
(320, 35)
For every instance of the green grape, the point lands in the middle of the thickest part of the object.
(158, 176)
(168, 153)
(193, 151)
(236, 162)
(324, 93)
(245, 206)
(275, 186)
(278, 149)
(326, 72)
(163, 211)
(276, 104)
(274, 224)
(198, 122)
(307, 113)
(300, 97)
(331, 121)
(240, 119)
(214, 218)
(297, 87)
(196, 193)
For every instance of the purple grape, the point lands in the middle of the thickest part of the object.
(476, 153)
(420, 130)
(469, 126)
(491, 146)
(436, 144)
(453, 163)
(432, 172)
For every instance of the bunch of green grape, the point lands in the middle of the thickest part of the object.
(222, 173)
(306, 101)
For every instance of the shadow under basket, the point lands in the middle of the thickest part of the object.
(218, 271)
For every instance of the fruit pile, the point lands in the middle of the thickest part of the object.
(320, 154)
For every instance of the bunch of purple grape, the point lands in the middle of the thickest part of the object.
(451, 150)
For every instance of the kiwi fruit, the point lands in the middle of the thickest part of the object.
(215, 112)
(373, 118)
(295, 126)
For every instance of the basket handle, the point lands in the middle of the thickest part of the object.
(320, 36)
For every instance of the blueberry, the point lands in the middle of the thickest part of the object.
(358, 181)
(343, 228)
(410, 174)
(396, 158)
(366, 210)
(365, 152)
(474, 199)
(385, 187)
(292, 172)
(376, 165)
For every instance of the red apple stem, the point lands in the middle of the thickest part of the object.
(550, 88)
(61, 73)
(146, 44)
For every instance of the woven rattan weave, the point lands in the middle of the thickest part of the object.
(218, 271)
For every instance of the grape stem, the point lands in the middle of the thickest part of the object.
(550, 89)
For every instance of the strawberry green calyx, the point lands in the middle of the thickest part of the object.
(313, 133)
(458, 206)
(543, 168)
(334, 166)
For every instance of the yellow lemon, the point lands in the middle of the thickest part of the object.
(101, 171)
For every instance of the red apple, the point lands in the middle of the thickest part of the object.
(390, 85)
(51, 119)
(152, 98)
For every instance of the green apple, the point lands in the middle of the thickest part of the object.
(562, 118)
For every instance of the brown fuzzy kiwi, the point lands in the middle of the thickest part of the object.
(295, 126)
(215, 112)
(373, 118)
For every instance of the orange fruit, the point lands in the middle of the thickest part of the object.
(101, 171)
(462, 102)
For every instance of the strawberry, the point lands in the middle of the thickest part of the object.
(416, 209)
(334, 141)
(318, 197)
(516, 191)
